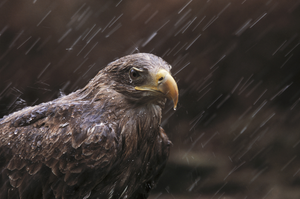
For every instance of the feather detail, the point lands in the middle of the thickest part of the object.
(102, 141)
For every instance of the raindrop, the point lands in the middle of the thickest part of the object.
(223, 101)
(223, 9)
(88, 41)
(119, 25)
(64, 35)
(243, 27)
(211, 21)
(263, 123)
(43, 43)
(180, 49)
(258, 20)
(193, 145)
(89, 32)
(141, 11)
(41, 73)
(82, 49)
(163, 25)
(253, 89)
(210, 119)
(153, 15)
(83, 21)
(279, 47)
(17, 37)
(281, 91)
(90, 67)
(235, 87)
(65, 86)
(71, 48)
(194, 184)
(243, 114)
(43, 18)
(10, 83)
(215, 101)
(173, 48)
(260, 96)
(149, 39)
(259, 108)
(203, 145)
(286, 60)
(112, 23)
(182, 68)
(295, 103)
(234, 169)
(289, 41)
(218, 61)
(90, 50)
(193, 42)
(246, 82)
(84, 13)
(182, 19)
(292, 49)
(220, 188)
(203, 94)
(185, 27)
(184, 7)
(204, 86)
(265, 196)
(3, 30)
(245, 87)
(118, 3)
(165, 53)
(198, 23)
(296, 172)
(289, 162)
(189, 24)
(76, 13)
(24, 42)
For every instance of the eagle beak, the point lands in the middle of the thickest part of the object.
(164, 83)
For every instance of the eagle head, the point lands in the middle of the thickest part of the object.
(142, 78)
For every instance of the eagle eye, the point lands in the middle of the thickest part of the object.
(134, 74)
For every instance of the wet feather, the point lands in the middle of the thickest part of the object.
(102, 141)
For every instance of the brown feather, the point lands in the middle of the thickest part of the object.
(102, 141)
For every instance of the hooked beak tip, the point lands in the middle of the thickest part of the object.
(169, 87)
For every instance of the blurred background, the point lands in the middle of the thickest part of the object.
(236, 132)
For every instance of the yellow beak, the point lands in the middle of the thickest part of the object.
(163, 82)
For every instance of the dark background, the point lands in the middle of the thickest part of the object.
(236, 129)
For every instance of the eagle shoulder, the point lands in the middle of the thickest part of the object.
(58, 144)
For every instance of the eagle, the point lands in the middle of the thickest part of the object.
(101, 141)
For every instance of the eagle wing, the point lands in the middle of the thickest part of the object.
(55, 150)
